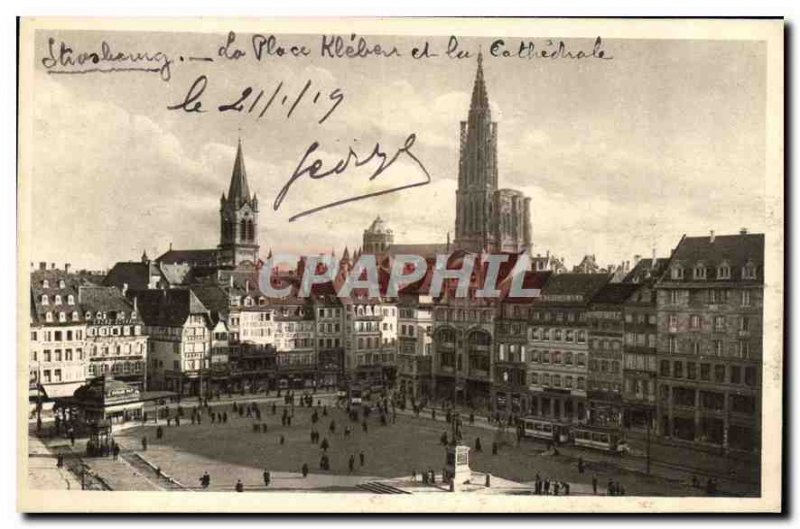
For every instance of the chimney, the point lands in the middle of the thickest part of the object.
(653, 264)
(712, 236)
(636, 259)
(170, 245)
(743, 231)
(52, 266)
(124, 288)
(67, 267)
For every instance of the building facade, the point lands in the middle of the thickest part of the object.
(709, 314)
(559, 346)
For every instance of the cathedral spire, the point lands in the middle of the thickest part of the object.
(480, 99)
(239, 190)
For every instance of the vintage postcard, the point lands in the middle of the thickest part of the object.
(400, 265)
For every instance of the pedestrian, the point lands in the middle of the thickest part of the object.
(594, 484)
(205, 480)
(364, 426)
(351, 462)
(471, 418)
(177, 420)
(478, 447)
(324, 444)
(580, 465)
(332, 427)
(556, 487)
(71, 437)
(274, 409)
(488, 480)
(169, 421)
(267, 478)
(289, 420)
(225, 417)
(159, 432)
(566, 488)
(239, 486)
(547, 487)
(304, 470)
(60, 460)
(283, 439)
(494, 448)
(413, 476)
(144, 444)
(443, 439)
(115, 451)
(610, 487)
(325, 411)
(361, 457)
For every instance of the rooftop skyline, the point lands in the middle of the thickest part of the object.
(619, 156)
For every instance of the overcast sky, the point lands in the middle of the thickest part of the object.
(618, 155)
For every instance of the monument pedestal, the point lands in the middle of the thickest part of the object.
(457, 465)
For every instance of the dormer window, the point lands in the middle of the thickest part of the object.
(57, 300)
(45, 283)
(121, 315)
(45, 300)
(70, 299)
(724, 271)
(75, 316)
(61, 284)
(62, 317)
(749, 271)
(99, 315)
(48, 316)
(88, 315)
(133, 315)
(699, 272)
(677, 273)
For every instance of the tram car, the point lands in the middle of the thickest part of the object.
(356, 396)
(538, 428)
(600, 438)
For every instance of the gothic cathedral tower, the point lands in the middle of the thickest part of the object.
(477, 170)
(238, 214)
(487, 218)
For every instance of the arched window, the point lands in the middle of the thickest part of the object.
(70, 299)
(48, 316)
(243, 229)
(62, 317)
(45, 300)
(75, 316)
(57, 300)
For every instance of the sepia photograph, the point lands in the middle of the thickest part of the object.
(320, 265)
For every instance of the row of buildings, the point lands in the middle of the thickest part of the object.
(672, 344)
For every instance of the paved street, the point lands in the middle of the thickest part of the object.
(233, 451)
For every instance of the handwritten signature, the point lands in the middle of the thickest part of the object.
(315, 170)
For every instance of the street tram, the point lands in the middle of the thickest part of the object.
(539, 428)
(600, 438)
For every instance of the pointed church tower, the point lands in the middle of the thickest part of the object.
(238, 218)
(477, 171)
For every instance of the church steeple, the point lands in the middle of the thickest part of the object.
(480, 99)
(477, 172)
(239, 217)
(239, 190)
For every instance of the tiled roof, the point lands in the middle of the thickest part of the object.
(209, 256)
(645, 270)
(615, 293)
(169, 308)
(734, 250)
(573, 287)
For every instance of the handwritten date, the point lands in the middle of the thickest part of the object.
(257, 101)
